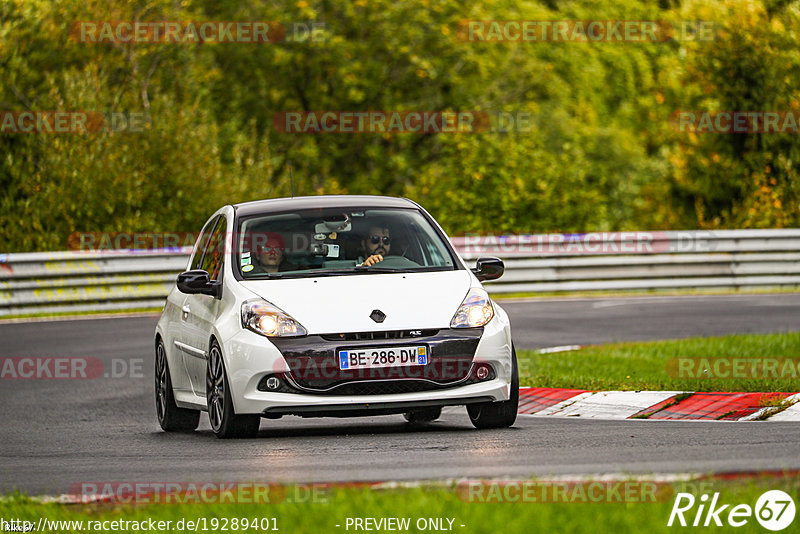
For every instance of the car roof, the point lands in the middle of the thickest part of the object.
(322, 201)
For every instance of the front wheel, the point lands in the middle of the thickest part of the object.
(498, 414)
(170, 417)
(224, 421)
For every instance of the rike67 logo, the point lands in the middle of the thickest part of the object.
(774, 510)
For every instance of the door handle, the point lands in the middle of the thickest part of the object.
(186, 311)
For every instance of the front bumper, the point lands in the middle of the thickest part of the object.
(250, 357)
(314, 364)
(369, 408)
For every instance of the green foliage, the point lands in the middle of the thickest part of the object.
(740, 180)
(600, 154)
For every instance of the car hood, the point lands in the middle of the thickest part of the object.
(337, 304)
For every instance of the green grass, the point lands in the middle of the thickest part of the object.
(423, 502)
(643, 366)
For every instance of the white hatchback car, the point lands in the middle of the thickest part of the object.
(330, 306)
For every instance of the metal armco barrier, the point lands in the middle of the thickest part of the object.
(56, 282)
(732, 259)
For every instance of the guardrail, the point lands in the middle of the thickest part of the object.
(56, 282)
(733, 259)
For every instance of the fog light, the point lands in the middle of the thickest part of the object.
(482, 372)
(273, 383)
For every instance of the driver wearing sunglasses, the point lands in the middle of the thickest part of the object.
(376, 245)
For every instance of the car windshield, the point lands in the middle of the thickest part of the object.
(339, 241)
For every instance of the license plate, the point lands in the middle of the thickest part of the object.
(368, 358)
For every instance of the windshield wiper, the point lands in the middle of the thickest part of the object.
(330, 272)
(363, 269)
(263, 276)
(311, 273)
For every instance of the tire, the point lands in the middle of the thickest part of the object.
(423, 415)
(170, 417)
(224, 421)
(498, 414)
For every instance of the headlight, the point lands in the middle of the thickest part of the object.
(476, 310)
(263, 318)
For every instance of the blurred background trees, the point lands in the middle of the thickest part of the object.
(600, 155)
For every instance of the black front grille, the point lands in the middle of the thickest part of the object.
(392, 334)
(391, 387)
(383, 387)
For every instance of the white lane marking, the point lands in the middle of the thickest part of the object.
(559, 348)
(792, 413)
(610, 304)
(557, 408)
(758, 414)
(608, 404)
(614, 477)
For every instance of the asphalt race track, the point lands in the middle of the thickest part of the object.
(56, 433)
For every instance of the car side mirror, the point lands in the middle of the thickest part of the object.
(488, 269)
(197, 282)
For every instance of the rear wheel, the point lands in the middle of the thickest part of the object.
(170, 417)
(423, 415)
(498, 414)
(224, 421)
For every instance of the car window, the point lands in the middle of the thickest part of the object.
(337, 241)
(215, 251)
(200, 245)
